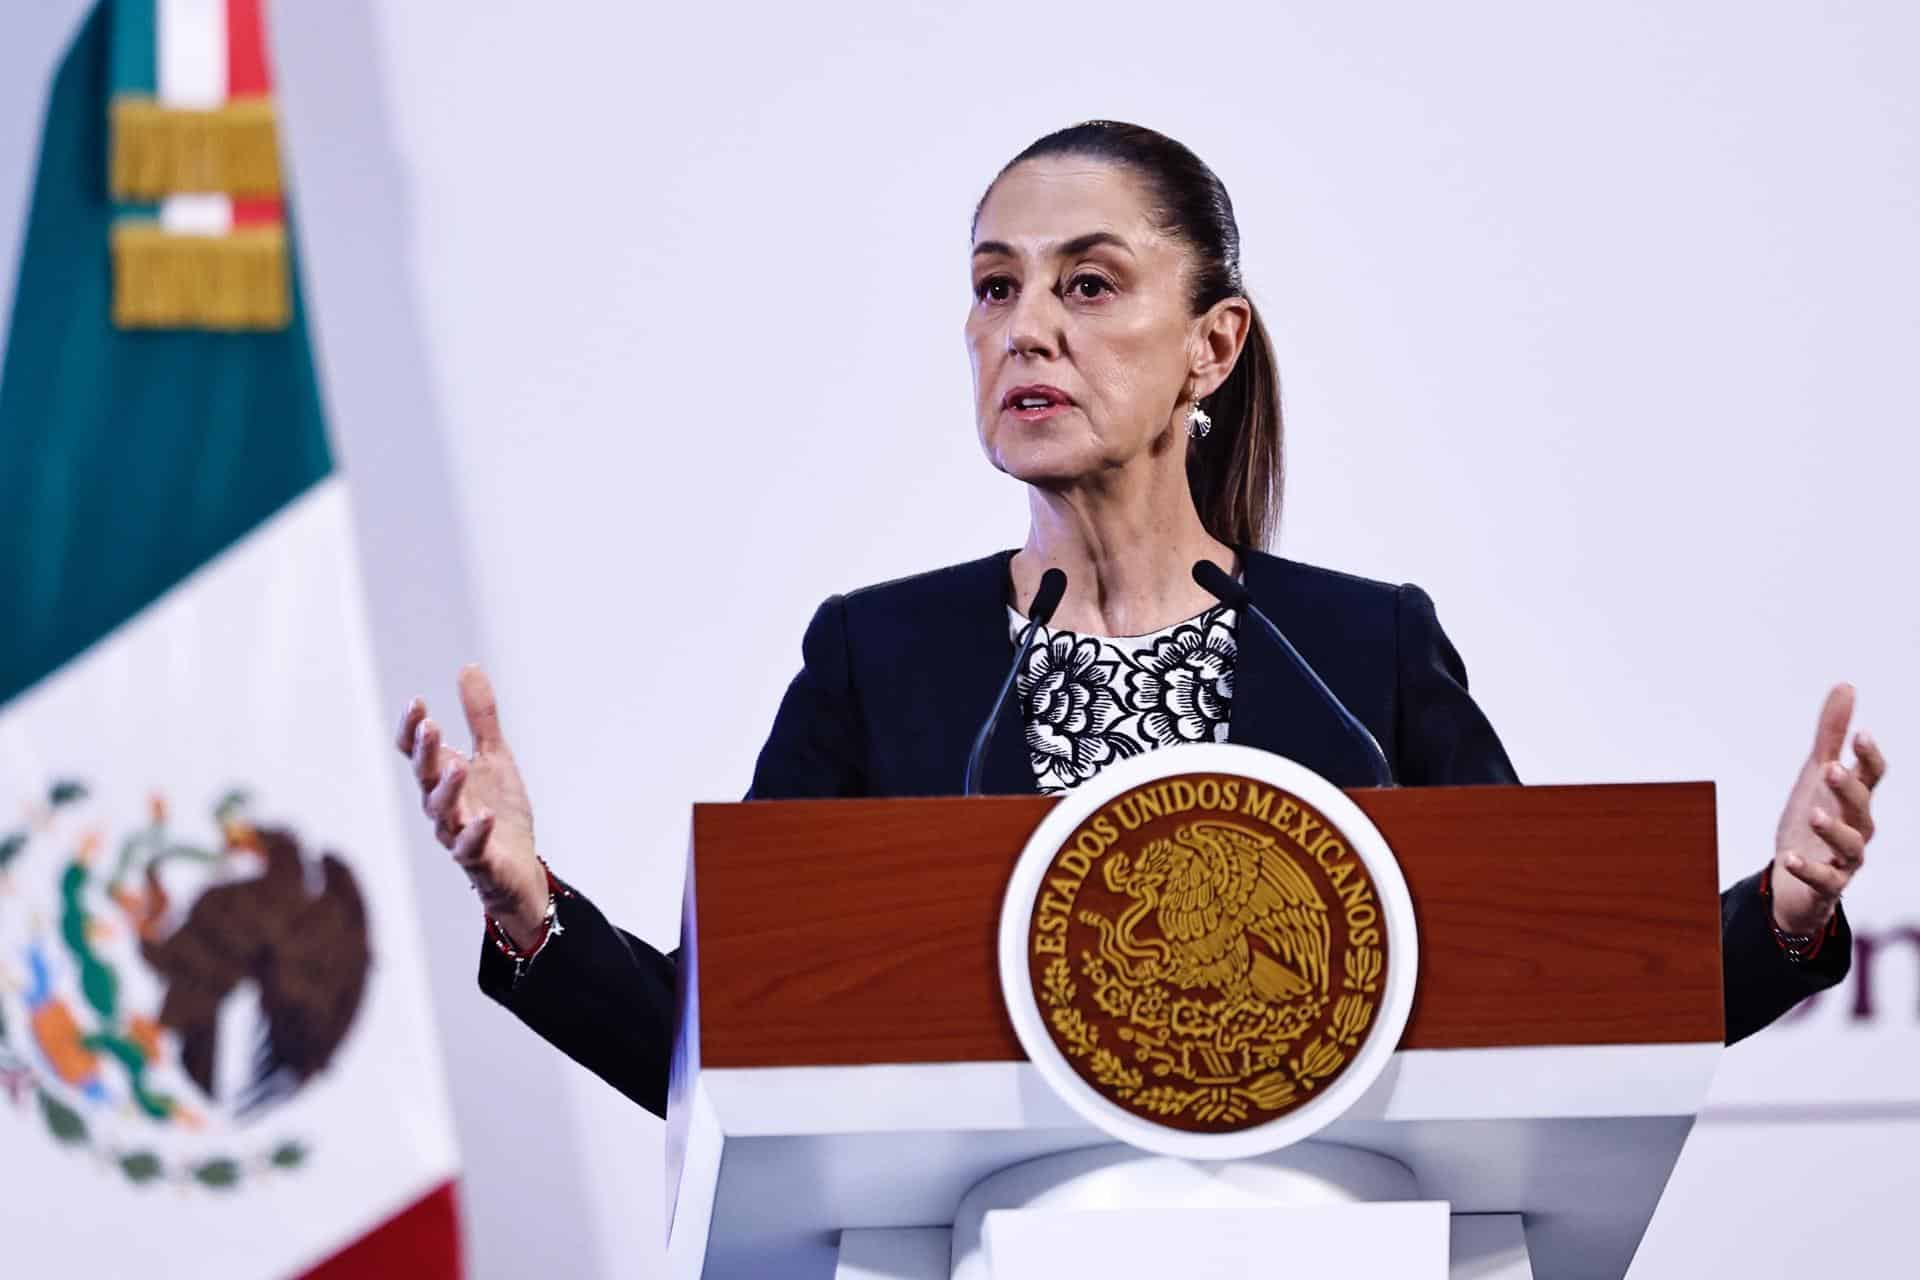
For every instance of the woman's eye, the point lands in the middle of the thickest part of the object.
(1088, 287)
(993, 289)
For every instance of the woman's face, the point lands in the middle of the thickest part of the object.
(1081, 337)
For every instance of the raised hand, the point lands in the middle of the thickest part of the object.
(1824, 830)
(479, 808)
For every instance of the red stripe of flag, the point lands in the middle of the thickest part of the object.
(248, 77)
(421, 1242)
(246, 51)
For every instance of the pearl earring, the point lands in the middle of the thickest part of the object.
(1198, 423)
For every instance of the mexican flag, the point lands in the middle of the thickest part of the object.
(217, 1054)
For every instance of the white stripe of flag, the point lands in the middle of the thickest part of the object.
(191, 67)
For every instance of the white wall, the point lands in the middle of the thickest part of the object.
(641, 329)
(32, 37)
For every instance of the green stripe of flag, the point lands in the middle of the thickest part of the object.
(134, 46)
(127, 460)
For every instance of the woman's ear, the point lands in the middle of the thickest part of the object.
(1218, 337)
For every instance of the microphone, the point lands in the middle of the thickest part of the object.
(1233, 593)
(1053, 585)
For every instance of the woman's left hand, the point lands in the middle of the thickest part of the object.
(1822, 840)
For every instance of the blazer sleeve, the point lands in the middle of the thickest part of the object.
(607, 999)
(1761, 983)
(1443, 738)
(599, 995)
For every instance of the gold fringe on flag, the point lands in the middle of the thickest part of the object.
(160, 151)
(169, 280)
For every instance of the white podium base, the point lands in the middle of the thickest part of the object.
(1406, 1240)
(1482, 1246)
(1117, 1211)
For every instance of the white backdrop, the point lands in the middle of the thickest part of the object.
(641, 331)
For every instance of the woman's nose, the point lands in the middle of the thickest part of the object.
(1031, 330)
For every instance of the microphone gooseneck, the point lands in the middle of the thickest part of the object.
(1233, 593)
(1053, 585)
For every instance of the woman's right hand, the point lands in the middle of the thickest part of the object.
(479, 808)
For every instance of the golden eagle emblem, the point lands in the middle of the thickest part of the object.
(1234, 913)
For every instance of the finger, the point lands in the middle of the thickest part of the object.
(1848, 845)
(409, 723)
(1856, 802)
(483, 712)
(443, 802)
(446, 823)
(1827, 881)
(470, 849)
(426, 755)
(1831, 734)
(1869, 761)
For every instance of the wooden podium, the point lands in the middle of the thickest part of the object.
(845, 1063)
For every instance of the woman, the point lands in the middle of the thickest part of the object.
(1122, 374)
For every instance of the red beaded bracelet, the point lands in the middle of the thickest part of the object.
(1797, 947)
(550, 925)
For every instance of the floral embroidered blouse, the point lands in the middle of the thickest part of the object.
(1087, 701)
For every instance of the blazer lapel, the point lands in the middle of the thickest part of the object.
(1263, 679)
(1006, 770)
(1274, 706)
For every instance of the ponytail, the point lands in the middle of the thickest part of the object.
(1237, 472)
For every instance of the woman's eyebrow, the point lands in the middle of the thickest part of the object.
(1080, 244)
(1070, 249)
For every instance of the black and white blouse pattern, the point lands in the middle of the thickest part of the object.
(1087, 701)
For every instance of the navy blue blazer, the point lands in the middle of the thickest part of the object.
(894, 681)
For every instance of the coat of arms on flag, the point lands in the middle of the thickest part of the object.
(216, 1039)
(172, 984)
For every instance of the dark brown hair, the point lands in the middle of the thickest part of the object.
(1236, 472)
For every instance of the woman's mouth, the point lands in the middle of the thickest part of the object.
(1036, 403)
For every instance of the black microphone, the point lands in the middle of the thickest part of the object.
(1233, 593)
(1053, 585)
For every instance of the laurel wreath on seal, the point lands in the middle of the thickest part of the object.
(1272, 1091)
